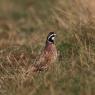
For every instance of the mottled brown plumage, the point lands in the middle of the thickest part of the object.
(48, 55)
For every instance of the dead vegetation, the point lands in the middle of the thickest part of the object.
(24, 25)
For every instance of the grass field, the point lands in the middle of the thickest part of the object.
(24, 25)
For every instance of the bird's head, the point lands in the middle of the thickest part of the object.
(51, 37)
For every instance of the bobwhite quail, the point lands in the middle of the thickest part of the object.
(48, 56)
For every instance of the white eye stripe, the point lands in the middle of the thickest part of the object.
(51, 36)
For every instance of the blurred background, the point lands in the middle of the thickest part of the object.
(24, 25)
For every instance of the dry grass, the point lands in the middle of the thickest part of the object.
(24, 25)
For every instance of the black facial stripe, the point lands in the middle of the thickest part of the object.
(51, 36)
(50, 39)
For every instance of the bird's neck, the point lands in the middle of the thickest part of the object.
(49, 45)
(49, 42)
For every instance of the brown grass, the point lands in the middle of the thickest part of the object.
(24, 25)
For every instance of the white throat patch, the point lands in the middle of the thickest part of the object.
(53, 38)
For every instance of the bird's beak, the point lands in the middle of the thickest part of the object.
(54, 34)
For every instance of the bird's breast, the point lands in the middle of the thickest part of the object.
(50, 52)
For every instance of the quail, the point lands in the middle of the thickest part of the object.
(48, 55)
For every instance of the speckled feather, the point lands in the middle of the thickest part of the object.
(47, 57)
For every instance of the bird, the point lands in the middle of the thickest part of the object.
(48, 55)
